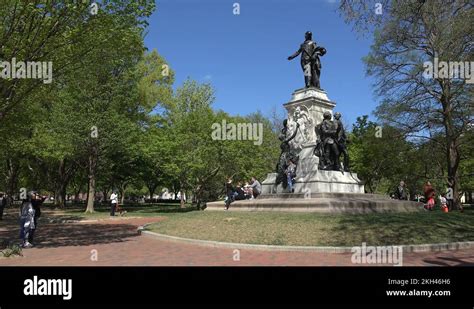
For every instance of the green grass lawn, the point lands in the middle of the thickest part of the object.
(311, 229)
(103, 212)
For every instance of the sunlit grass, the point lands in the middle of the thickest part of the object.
(312, 229)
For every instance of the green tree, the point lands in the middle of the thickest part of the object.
(379, 155)
(408, 34)
(64, 33)
(190, 118)
(155, 95)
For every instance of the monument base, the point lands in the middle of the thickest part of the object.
(355, 203)
(315, 190)
(317, 181)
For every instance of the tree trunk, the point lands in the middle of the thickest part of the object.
(92, 182)
(453, 172)
(91, 194)
(175, 190)
(61, 195)
(182, 203)
(452, 150)
(61, 186)
(105, 194)
(123, 188)
(151, 189)
(12, 178)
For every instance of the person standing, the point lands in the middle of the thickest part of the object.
(113, 203)
(229, 191)
(27, 220)
(3, 203)
(37, 201)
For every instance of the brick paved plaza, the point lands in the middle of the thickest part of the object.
(117, 243)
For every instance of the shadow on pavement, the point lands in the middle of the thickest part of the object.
(59, 234)
(449, 261)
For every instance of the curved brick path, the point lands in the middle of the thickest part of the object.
(118, 244)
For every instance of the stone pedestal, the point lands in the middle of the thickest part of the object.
(354, 203)
(317, 181)
(315, 190)
(307, 107)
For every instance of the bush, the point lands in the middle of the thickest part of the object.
(10, 249)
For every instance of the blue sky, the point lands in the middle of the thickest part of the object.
(244, 56)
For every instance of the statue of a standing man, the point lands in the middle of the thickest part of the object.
(328, 147)
(310, 62)
(342, 140)
(287, 152)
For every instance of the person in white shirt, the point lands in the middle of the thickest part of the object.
(113, 203)
(444, 202)
(256, 187)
